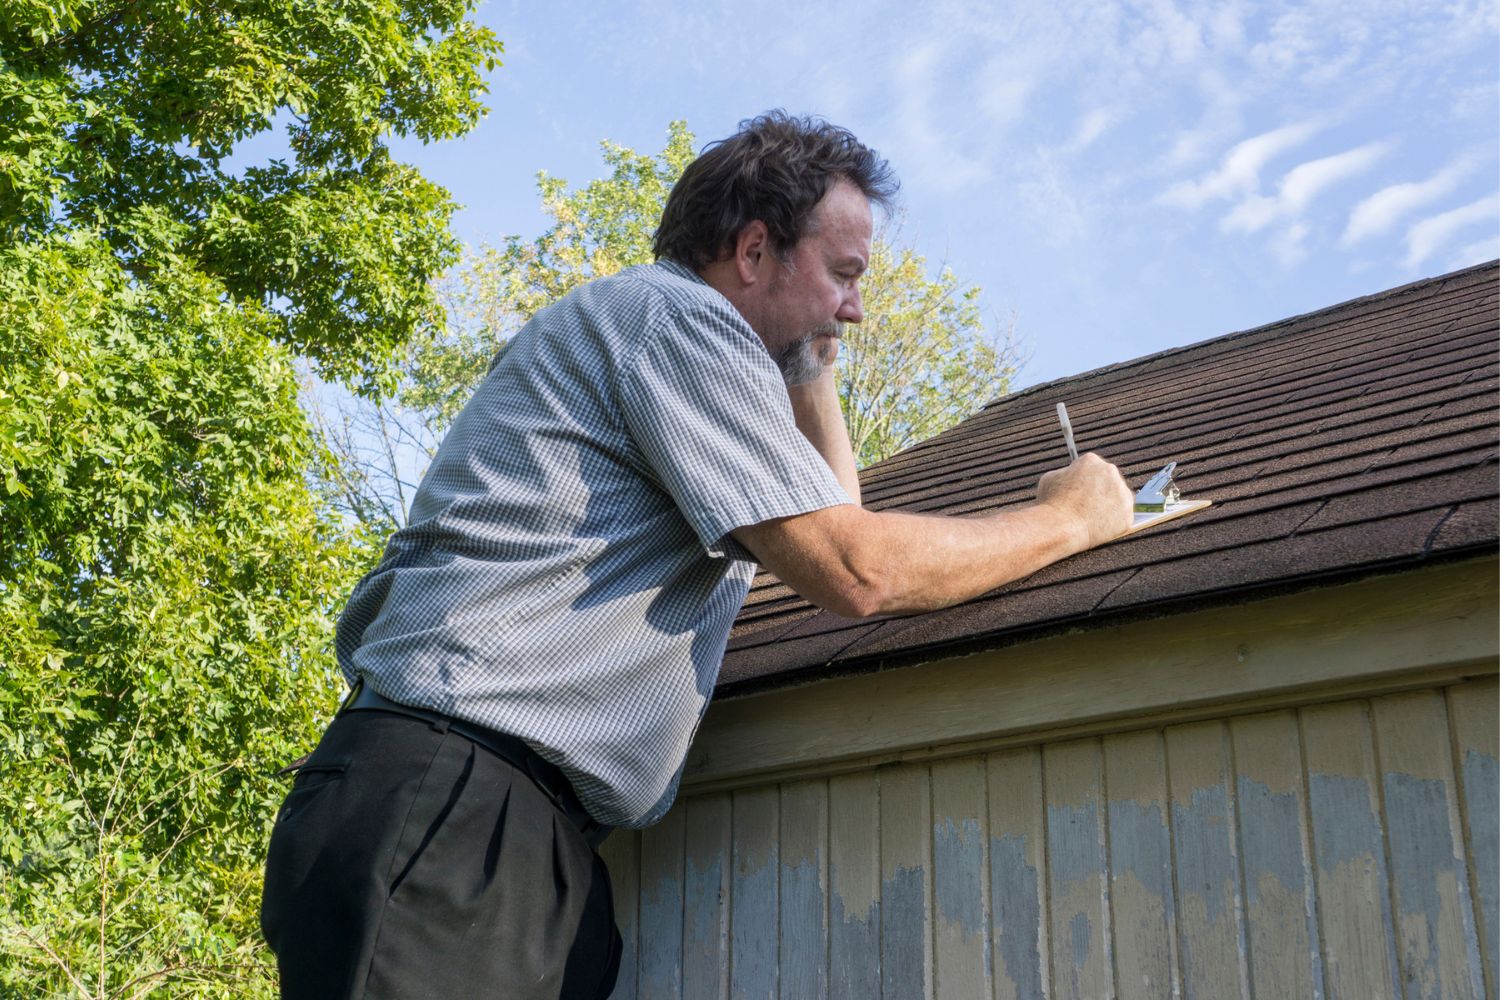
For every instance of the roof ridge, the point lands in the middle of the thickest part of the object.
(1361, 300)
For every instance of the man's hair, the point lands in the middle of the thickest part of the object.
(776, 168)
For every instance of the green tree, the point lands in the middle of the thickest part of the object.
(167, 574)
(925, 358)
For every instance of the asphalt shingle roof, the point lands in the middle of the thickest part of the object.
(1358, 439)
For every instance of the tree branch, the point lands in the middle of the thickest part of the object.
(57, 959)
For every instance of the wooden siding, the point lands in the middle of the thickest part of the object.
(1417, 629)
(1339, 851)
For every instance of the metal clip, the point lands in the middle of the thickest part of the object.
(1158, 492)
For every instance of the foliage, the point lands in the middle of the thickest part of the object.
(120, 118)
(167, 576)
(924, 360)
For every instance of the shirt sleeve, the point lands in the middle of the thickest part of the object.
(709, 411)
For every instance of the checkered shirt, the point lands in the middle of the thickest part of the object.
(566, 575)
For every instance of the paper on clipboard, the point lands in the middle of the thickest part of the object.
(1144, 520)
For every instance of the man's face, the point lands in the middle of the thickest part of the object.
(817, 290)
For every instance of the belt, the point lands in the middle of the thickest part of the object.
(513, 751)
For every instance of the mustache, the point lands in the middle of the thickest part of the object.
(833, 328)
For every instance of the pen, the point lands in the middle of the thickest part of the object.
(1062, 416)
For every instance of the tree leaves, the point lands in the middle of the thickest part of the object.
(164, 572)
(168, 577)
(923, 360)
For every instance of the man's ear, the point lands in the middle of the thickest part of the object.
(752, 250)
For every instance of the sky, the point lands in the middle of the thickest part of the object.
(1121, 177)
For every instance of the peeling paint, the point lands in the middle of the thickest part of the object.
(1209, 960)
(854, 946)
(903, 933)
(1350, 855)
(660, 967)
(1344, 824)
(703, 905)
(1080, 931)
(1210, 943)
(1076, 873)
(958, 869)
(753, 971)
(1140, 869)
(1280, 914)
(1481, 777)
(1422, 865)
(1359, 889)
(803, 969)
(1138, 845)
(1270, 838)
(1074, 835)
(1015, 901)
(1205, 868)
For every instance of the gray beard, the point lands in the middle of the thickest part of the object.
(799, 363)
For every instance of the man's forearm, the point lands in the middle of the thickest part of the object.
(821, 421)
(934, 561)
(859, 563)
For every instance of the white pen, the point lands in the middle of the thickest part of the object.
(1062, 415)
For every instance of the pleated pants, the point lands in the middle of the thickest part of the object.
(409, 862)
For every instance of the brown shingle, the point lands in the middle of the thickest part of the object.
(1469, 525)
(1068, 599)
(1356, 439)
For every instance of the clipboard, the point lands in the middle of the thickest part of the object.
(1144, 519)
(1160, 501)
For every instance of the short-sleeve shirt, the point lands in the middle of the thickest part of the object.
(566, 574)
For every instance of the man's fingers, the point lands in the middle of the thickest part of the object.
(1095, 492)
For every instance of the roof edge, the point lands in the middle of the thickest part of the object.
(987, 642)
(1238, 334)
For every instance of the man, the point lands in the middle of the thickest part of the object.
(533, 654)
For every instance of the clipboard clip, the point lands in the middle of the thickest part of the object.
(1159, 491)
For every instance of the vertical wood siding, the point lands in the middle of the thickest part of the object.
(1349, 850)
(705, 897)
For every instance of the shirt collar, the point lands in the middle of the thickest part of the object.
(680, 269)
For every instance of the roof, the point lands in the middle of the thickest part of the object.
(1354, 440)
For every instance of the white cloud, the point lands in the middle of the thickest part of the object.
(1047, 196)
(1299, 187)
(1383, 209)
(1003, 97)
(1091, 127)
(1164, 34)
(1290, 246)
(1189, 147)
(1239, 172)
(931, 157)
(1293, 37)
(1428, 236)
(1475, 253)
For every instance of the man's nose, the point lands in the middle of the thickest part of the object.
(851, 310)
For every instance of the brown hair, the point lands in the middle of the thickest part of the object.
(776, 168)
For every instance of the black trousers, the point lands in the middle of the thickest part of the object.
(410, 862)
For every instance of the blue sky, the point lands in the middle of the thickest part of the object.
(1122, 176)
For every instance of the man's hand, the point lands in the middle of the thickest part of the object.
(821, 421)
(1094, 493)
